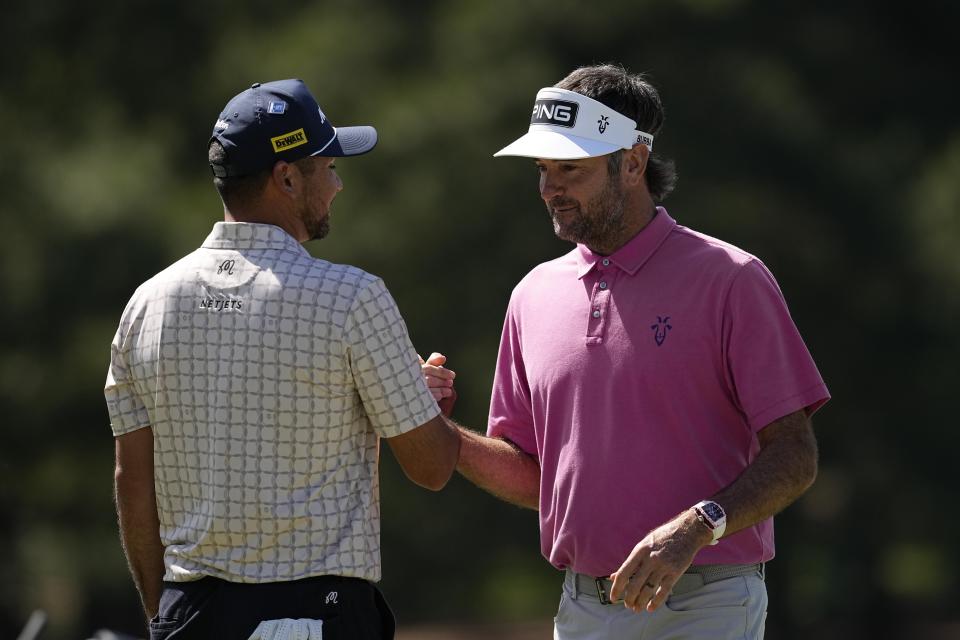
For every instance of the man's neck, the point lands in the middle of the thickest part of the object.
(288, 224)
(636, 220)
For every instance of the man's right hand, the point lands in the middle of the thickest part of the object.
(440, 381)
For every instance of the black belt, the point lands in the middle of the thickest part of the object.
(694, 578)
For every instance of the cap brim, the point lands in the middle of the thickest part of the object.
(350, 141)
(551, 145)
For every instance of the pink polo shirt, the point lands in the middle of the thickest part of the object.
(640, 381)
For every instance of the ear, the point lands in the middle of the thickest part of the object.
(285, 178)
(634, 165)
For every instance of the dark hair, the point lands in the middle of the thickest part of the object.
(235, 189)
(239, 189)
(633, 96)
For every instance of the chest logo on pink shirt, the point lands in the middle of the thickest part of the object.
(660, 329)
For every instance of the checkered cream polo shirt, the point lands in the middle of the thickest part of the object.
(266, 375)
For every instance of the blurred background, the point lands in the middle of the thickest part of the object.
(822, 136)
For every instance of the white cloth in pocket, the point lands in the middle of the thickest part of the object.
(289, 629)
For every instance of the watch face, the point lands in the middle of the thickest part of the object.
(713, 511)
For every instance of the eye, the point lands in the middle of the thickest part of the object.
(567, 168)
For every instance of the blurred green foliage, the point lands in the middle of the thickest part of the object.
(821, 136)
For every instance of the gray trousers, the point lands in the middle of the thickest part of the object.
(731, 608)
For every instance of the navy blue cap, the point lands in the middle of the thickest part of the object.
(281, 120)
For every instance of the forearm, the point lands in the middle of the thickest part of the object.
(140, 535)
(783, 470)
(137, 515)
(501, 468)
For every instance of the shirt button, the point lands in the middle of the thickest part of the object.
(603, 285)
(596, 314)
(606, 262)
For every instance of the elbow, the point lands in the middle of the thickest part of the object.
(433, 479)
(131, 483)
(124, 492)
(120, 479)
(439, 474)
(807, 472)
(532, 502)
(810, 472)
(428, 454)
(126, 477)
(433, 484)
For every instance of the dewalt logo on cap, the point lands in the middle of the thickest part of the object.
(290, 140)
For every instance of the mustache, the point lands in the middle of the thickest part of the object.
(561, 203)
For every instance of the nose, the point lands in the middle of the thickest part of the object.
(550, 186)
(339, 183)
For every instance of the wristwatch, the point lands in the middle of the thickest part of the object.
(712, 516)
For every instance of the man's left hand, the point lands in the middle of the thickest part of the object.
(647, 576)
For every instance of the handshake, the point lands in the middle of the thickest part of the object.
(440, 381)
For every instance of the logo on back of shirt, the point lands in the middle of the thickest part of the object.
(660, 329)
(210, 303)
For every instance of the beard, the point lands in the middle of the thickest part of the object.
(317, 228)
(595, 225)
(316, 223)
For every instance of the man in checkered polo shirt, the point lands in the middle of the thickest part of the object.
(249, 385)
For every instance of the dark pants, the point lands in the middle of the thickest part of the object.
(213, 608)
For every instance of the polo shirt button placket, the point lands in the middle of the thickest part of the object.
(599, 303)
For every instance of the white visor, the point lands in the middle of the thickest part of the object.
(566, 125)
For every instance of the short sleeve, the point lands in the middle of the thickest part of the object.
(771, 371)
(384, 364)
(511, 414)
(127, 411)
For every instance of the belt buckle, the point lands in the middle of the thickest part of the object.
(601, 591)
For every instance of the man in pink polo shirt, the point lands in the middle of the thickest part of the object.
(652, 397)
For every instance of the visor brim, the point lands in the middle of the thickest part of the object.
(553, 145)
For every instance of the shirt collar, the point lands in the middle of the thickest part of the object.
(631, 256)
(249, 235)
